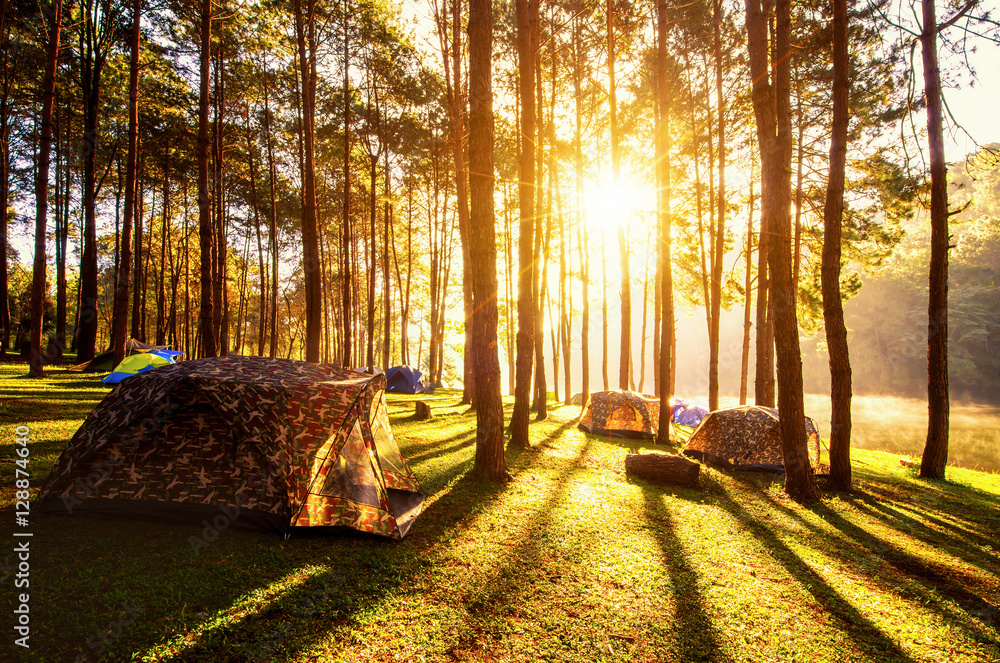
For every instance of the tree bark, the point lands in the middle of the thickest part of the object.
(346, 283)
(272, 351)
(490, 463)
(5, 113)
(35, 359)
(161, 286)
(305, 30)
(664, 225)
(935, 456)
(663, 468)
(833, 309)
(747, 293)
(582, 245)
(61, 236)
(386, 275)
(527, 29)
(205, 234)
(720, 225)
(220, 248)
(255, 203)
(119, 322)
(539, 258)
(625, 347)
(94, 44)
(772, 109)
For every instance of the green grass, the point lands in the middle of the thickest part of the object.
(569, 561)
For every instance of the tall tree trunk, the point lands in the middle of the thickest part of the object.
(745, 357)
(833, 309)
(372, 216)
(272, 351)
(663, 204)
(935, 456)
(645, 316)
(188, 350)
(799, 175)
(119, 321)
(538, 256)
(5, 113)
(305, 29)
(255, 203)
(346, 283)
(527, 40)
(508, 236)
(604, 317)
(205, 234)
(772, 109)
(582, 244)
(144, 299)
(386, 280)
(61, 236)
(220, 248)
(450, 41)
(138, 285)
(625, 349)
(93, 53)
(720, 225)
(35, 359)
(490, 463)
(161, 290)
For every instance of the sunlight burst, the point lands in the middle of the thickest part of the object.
(610, 205)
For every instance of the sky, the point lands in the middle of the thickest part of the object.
(976, 108)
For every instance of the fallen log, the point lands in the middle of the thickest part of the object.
(663, 468)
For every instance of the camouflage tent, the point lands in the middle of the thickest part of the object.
(744, 437)
(621, 414)
(270, 443)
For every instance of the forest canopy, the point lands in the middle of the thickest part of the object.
(303, 168)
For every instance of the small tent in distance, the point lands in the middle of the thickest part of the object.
(140, 363)
(744, 437)
(281, 443)
(404, 380)
(106, 360)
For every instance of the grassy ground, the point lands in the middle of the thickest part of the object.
(569, 561)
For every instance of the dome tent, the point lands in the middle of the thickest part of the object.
(287, 443)
(744, 437)
(404, 380)
(621, 414)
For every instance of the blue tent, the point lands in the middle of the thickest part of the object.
(687, 413)
(404, 380)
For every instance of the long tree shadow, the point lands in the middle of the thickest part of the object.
(696, 635)
(865, 634)
(298, 607)
(962, 503)
(488, 604)
(930, 577)
(294, 615)
(933, 582)
(966, 550)
(484, 602)
(198, 600)
(442, 447)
